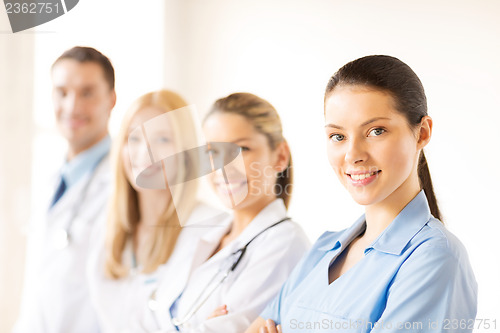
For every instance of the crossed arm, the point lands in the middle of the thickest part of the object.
(260, 325)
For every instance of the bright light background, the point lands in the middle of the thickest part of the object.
(285, 51)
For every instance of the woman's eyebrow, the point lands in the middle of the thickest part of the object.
(160, 131)
(334, 126)
(241, 139)
(373, 120)
(363, 124)
(235, 141)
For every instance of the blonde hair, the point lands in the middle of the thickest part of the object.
(124, 213)
(265, 119)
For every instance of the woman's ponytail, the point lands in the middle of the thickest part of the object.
(426, 184)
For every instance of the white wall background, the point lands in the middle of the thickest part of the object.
(16, 71)
(285, 51)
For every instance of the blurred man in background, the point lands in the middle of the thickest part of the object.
(55, 295)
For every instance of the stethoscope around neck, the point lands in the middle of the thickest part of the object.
(62, 236)
(236, 257)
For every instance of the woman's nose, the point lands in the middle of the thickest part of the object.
(356, 152)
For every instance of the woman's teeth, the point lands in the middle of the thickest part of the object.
(363, 176)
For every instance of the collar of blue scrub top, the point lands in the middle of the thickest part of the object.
(404, 227)
(396, 236)
(343, 238)
(85, 162)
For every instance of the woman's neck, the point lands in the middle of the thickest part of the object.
(380, 215)
(241, 219)
(151, 206)
(244, 216)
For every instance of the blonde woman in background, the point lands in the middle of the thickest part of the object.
(144, 239)
(217, 298)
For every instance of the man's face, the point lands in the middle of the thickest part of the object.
(83, 101)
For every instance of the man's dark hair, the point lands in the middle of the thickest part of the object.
(87, 54)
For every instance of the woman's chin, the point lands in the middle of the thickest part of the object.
(231, 195)
(362, 196)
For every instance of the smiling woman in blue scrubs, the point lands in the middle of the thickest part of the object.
(397, 268)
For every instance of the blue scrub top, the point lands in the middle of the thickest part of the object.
(414, 277)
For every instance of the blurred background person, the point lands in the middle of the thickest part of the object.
(55, 295)
(237, 269)
(146, 238)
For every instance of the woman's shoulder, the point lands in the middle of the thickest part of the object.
(286, 233)
(436, 252)
(294, 228)
(436, 239)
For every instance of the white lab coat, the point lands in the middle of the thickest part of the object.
(55, 295)
(264, 268)
(120, 303)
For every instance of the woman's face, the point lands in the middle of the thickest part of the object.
(370, 145)
(251, 180)
(148, 142)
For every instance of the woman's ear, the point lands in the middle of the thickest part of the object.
(282, 156)
(425, 132)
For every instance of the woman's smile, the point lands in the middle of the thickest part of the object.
(362, 178)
